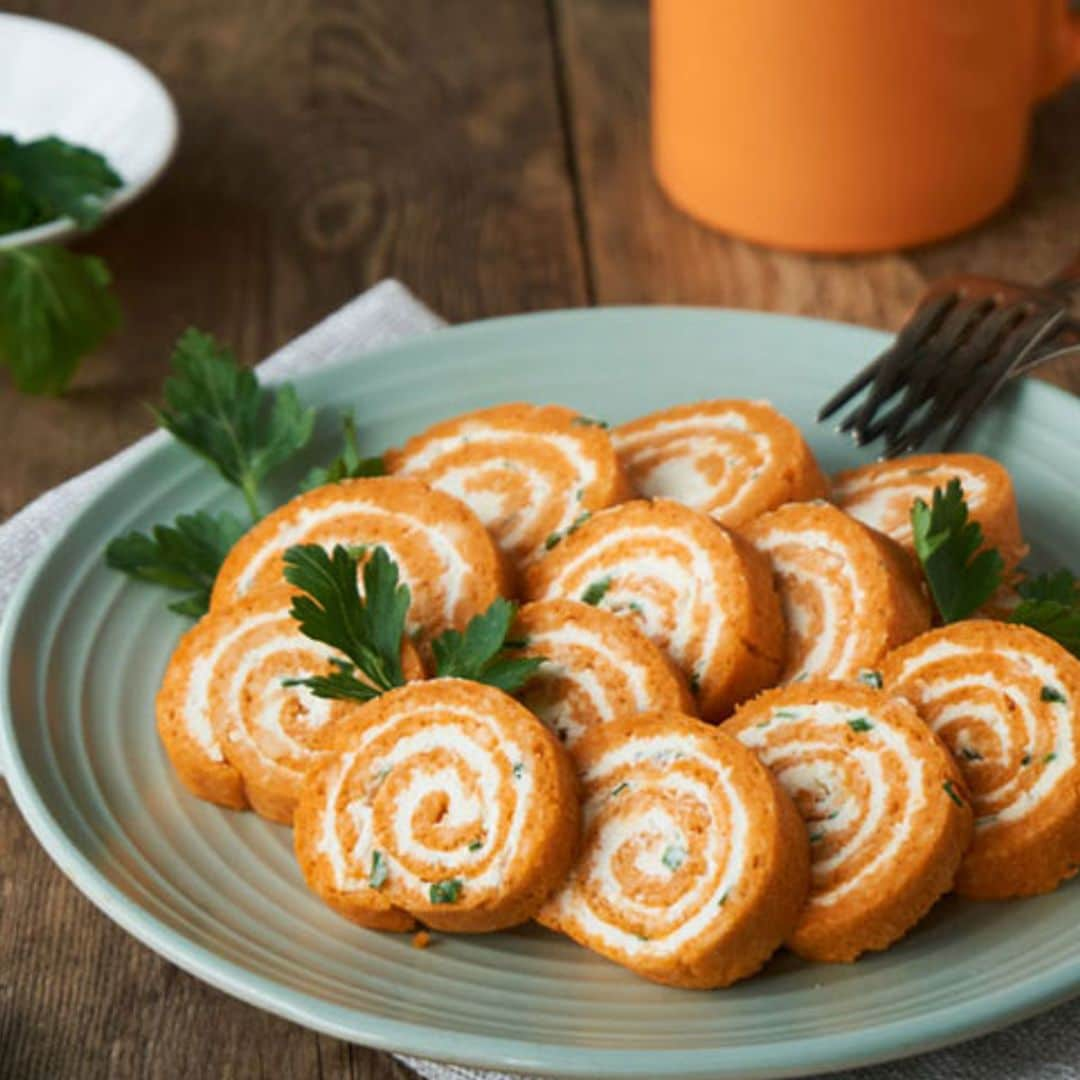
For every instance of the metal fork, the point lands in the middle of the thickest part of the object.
(966, 338)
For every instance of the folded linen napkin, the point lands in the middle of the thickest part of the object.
(1046, 1048)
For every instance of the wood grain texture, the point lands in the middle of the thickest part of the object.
(493, 154)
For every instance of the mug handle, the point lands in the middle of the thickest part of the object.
(1060, 59)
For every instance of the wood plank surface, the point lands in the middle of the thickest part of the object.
(492, 154)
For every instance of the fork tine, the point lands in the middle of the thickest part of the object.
(1017, 347)
(923, 321)
(952, 378)
(927, 366)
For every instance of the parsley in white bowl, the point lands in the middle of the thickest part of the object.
(58, 82)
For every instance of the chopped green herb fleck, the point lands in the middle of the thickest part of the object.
(986, 819)
(817, 837)
(578, 522)
(833, 816)
(476, 845)
(801, 677)
(445, 892)
(519, 770)
(764, 723)
(723, 900)
(641, 937)
(871, 678)
(786, 714)
(673, 857)
(579, 494)
(589, 421)
(1052, 693)
(1049, 757)
(1026, 759)
(379, 870)
(552, 540)
(859, 724)
(970, 755)
(619, 789)
(596, 591)
(951, 792)
(636, 608)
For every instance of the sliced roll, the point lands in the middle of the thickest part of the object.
(531, 473)
(881, 494)
(444, 554)
(885, 808)
(1006, 701)
(444, 801)
(235, 734)
(697, 590)
(597, 667)
(849, 593)
(694, 864)
(730, 459)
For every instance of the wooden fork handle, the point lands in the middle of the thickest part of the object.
(1067, 278)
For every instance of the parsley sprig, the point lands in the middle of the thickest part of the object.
(55, 306)
(348, 464)
(1050, 603)
(961, 577)
(184, 556)
(367, 631)
(218, 409)
(480, 653)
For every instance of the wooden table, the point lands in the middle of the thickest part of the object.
(493, 155)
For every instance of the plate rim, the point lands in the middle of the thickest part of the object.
(882, 1042)
(64, 227)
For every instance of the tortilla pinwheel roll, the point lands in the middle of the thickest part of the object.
(849, 593)
(886, 810)
(694, 864)
(730, 459)
(235, 734)
(698, 591)
(444, 554)
(531, 473)
(443, 801)
(1006, 701)
(880, 495)
(597, 668)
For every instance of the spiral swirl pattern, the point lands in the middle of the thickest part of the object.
(698, 591)
(597, 667)
(730, 459)
(444, 554)
(226, 716)
(849, 594)
(685, 846)
(445, 801)
(530, 473)
(885, 809)
(881, 495)
(1005, 701)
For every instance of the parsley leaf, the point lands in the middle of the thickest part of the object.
(184, 556)
(54, 308)
(49, 178)
(1050, 603)
(479, 653)
(367, 631)
(946, 543)
(348, 464)
(219, 410)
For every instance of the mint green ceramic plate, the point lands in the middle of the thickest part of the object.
(218, 893)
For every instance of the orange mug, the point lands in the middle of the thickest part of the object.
(850, 125)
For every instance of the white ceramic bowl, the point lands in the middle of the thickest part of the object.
(57, 81)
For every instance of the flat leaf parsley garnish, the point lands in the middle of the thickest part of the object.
(367, 631)
(348, 464)
(54, 308)
(1050, 603)
(219, 410)
(184, 556)
(480, 652)
(445, 892)
(946, 543)
(48, 178)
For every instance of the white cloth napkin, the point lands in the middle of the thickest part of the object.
(1046, 1048)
